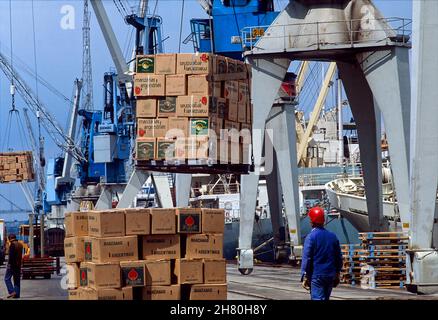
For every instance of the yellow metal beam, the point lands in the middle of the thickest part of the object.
(299, 82)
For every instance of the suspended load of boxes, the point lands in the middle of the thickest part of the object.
(146, 254)
(16, 167)
(192, 109)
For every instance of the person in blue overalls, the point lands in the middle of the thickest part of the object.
(322, 258)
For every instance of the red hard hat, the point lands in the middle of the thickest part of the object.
(316, 215)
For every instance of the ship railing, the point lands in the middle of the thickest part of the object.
(318, 179)
(214, 189)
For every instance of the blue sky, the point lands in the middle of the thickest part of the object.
(59, 51)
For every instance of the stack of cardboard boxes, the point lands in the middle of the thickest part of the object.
(186, 105)
(16, 166)
(149, 254)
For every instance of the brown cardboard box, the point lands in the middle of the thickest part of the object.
(176, 124)
(208, 292)
(172, 292)
(165, 63)
(128, 293)
(246, 153)
(152, 128)
(201, 85)
(213, 220)
(83, 274)
(103, 275)
(235, 153)
(108, 294)
(114, 249)
(137, 221)
(218, 150)
(241, 112)
(200, 246)
(163, 221)
(167, 107)
(73, 276)
(217, 125)
(231, 90)
(74, 249)
(165, 149)
(176, 85)
(149, 85)
(156, 247)
(232, 111)
(249, 111)
(74, 294)
(146, 148)
(215, 271)
(243, 92)
(133, 273)
(231, 65)
(158, 272)
(145, 63)
(189, 220)
(76, 224)
(188, 63)
(146, 108)
(220, 65)
(188, 271)
(199, 126)
(192, 148)
(195, 106)
(232, 132)
(109, 223)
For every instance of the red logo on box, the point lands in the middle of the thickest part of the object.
(132, 275)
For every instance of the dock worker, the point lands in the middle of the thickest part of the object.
(322, 258)
(13, 270)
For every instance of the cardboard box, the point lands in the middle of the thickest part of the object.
(152, 128)
(76, 224)
(74, 249)
(241, 113)
(145, 63)
(158, 273)
(232, 131)
(201, 85)
(176, 85)
(167, 107)
(73, 275)
(249, 111)
(109, 223)
(146, 108)
(108, 294)
(145, 148)
(197, 63)
(243, 96)
(201, 246)
(235, 153)
(178, 127)
(133, 273)
(172, 292)
(165, 149)
(200, 127)
(156, 247)
(165, 63)
(137, 221)
(213, 220)
(83, 274)
(220, 65)
(163, 221)
(103, 275)
(232, 111)
(208, 292)
(231, 65)
(217, 125)
(195, 106)
(231, 90)
(195, 147)
(188, 271)
(189, 220)
(149, 85)
(74, 294)
(114, 249)
(215, 271)
(246, 153)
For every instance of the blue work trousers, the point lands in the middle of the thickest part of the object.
(321, 287)
(15, 275)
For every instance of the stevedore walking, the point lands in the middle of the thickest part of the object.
(13, 270)
(322, 258)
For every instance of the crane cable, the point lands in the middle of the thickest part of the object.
(181, 26)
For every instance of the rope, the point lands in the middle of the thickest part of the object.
(237, 22)
(181, 26)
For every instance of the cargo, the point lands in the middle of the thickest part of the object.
(103, 275)
(165, 149)
(158, 272)
(114, 249)
(246, 153)
(201, 246)
(167, 107)
(178, 127)
(231, 90)
(201, 85)
(192, 148)
(76, 224)
(137, 221)
(249, 111)
(163, 221)
(176, 85)
(196, 106)
(108, 294)
(241, 113)
(74, 249)
(165, 63)
(145, 148)
(200, 127)
(16, 167)
(110, 223)
(188, 271)
(133, 273)
(83, 281)
(220, 65)
(208, 292)
(152, 128)
(156, 247)
(235, 153)
(213, 220)
(189, 220)
(217, 125)
(149, 85)
(243, 96)
(232, 131)
(232, 112)
(197, 63)
(74, 294)
(145, 64)
(73, 276)
(146, 108)
(172, 292)
(215, 271)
